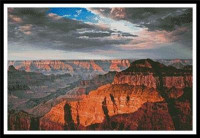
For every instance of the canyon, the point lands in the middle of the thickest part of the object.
(122, 95)
(84, 68)
(87, 69)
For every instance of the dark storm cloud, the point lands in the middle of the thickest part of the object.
(157, 19)
(127, 34)
(44, 30)
(178, 21)
(101, 34)
(40, 17)
(153, 18)
(69, 42)
(184, 37)
(160, 19)
(163, 32)
(96, 34)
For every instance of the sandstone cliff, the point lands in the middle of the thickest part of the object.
(150, 116)
(106, 101)
(143, 82)
(146, 96)
(51, 66)
(20, 120)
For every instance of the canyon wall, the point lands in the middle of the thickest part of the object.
(70, 66)
(106, 101)
(146, 96)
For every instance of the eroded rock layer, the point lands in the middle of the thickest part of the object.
(146, 96)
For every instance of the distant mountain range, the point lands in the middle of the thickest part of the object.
(87, 69)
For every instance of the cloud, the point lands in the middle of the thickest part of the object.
(54, 16)
(15, 18)
(128, 35)
(91, 33)
(117, 32)
(170, 21)
(118, 13)
(167, 19)
(78, 12)
(101, 11)
(48, 30)
(153, 39)
(26, 29)
(160, 25)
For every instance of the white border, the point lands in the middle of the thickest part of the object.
(6, 6)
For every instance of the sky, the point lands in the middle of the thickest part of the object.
(99, 33)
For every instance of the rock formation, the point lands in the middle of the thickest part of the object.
(146, 96)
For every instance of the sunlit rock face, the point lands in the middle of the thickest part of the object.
(54, 119)
(178, 81)
(71, 65)
(137, 79)
(107, 100)
(146, 96)
(118, 65)
(110, 100)
(155, 75)
(46, 65)
(134, 90)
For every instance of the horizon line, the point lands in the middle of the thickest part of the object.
(102, 59)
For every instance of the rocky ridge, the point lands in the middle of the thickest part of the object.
(142, 97)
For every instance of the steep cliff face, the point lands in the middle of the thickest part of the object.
(95, 65)
(180, 81)
(19, 121)
(155, 116)
(82, 64)
(136, 79)
(54, 120)
(118, 65)
(181, 110)
(181, 113)
(141, 72)
(107, 101)
(74, 66)
(136, 93)
(55, 65)
(147, 73)
(146, 96)
(22, 121)
(150, 116)
(45, 65)
(111, 100)
(89, 65)
(151, 80)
